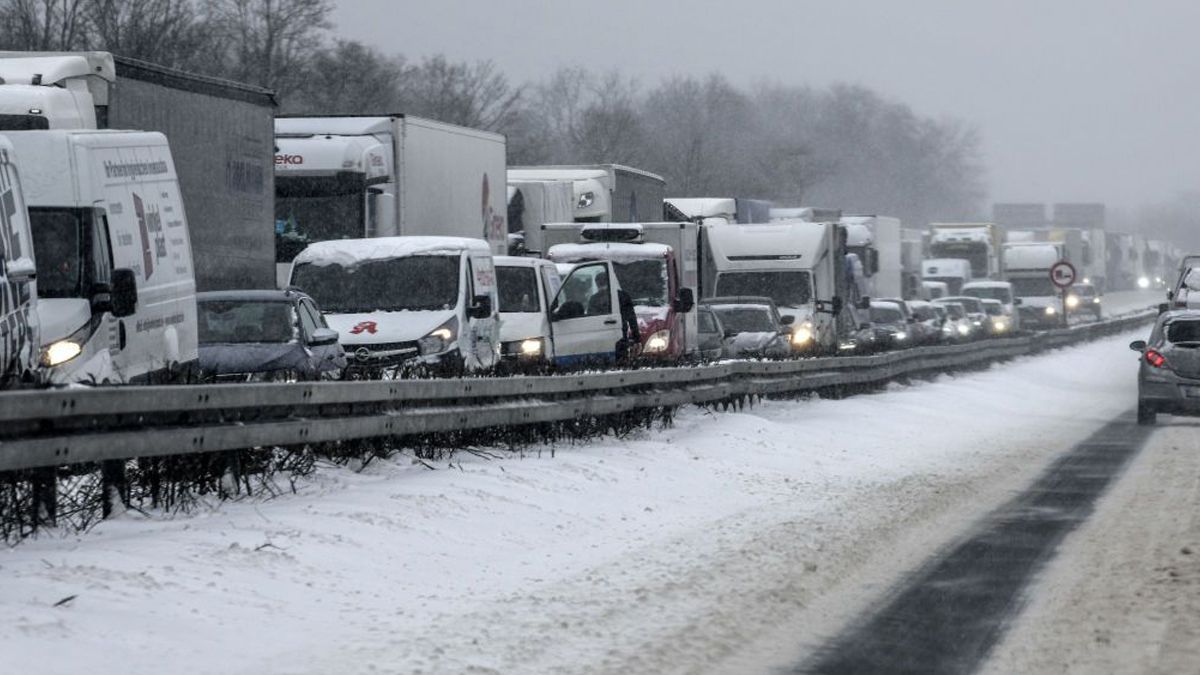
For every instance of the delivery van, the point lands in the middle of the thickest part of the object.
(116, 292)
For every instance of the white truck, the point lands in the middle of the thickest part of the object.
(20, 335)
(717, 210)
(531, 204)
(799, 265)
(382, 176)
(603, 193)
(116, 294)
(1027, 267)
(220, 131)
(977, 243)
(876, 241)
(954, 272)
(656, 264)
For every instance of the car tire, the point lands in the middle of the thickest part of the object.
(1146, 415)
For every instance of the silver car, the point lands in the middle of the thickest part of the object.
(1169, 376)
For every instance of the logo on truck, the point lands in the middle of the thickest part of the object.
(493, 223)
(286, 160)
(150, 228)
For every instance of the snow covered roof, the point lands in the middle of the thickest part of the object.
(858, 234)
(945, 264)
(352, 251)
(615, 251)
(705, 207)
(986, 284)
(21, 67)
(1031, 256)
(799, 243)
(519, 261)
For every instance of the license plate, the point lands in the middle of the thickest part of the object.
(1190, 392)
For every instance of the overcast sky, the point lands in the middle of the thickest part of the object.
(1096, 100)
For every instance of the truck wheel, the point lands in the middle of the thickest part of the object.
(1146, 415)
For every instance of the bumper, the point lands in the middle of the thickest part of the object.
(1174, 395)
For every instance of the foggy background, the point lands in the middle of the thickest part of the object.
(928, 110)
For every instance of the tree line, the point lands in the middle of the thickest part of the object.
(841, 146)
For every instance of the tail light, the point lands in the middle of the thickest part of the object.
(1155, 359)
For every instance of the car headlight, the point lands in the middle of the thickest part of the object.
(585, 200)
(803, 334)
(60, 352)
(658, 342)
(948, 329)
(901, 335)
(1072, 301)
(1095, 301)
(1050, 311)
(847, 345)
(531, 347)
(439, 339)
(964, 329)
(1143, 282)
(1000, 325)
(977, 323)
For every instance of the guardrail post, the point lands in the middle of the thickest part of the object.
(232, 477)
(114, 484)
(44, 483)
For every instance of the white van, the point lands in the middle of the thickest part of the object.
(400, 302)
(1002, 291)
(19, 335)
(954, 272)
(569, 321)
(116, 286)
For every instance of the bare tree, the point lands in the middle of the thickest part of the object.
(167, 32)
(471, 94)
(41, 25)
(347, 78)
(271, 41)
(589, 118)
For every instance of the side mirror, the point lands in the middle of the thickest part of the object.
(1170, 295)
(481, 307)
(729, 332)
(1138, 345)
(864, 303)
(19, 271)
(1017, 302)
(685, 301)
(124, 292)
(837, 305)
(787, 320)
(1163, 307)
(323, 336)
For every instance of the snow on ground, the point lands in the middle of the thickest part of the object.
(729, 542)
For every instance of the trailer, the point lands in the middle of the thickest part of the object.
(977, 243)
(876, 240)
(604, 193)
(220, 133)
(355, 176)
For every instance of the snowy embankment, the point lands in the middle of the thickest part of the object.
(729, 542)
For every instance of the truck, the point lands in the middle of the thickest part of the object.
(220, 131)
(801, 266)
(603, 193)
(656, 264)
(876, 240)
(531, 204)
(954, 272)
(717, 210)
(1027, 267)
(355, 176)
(977, 243)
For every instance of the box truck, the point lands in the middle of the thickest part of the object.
(717, 210)
(531, 204)
(220, 133)
(356, 176)
(116, 292)
(877, 243)
(977, 243)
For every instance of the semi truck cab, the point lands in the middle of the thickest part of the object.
(54, 90)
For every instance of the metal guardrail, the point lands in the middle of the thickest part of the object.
(42, 429)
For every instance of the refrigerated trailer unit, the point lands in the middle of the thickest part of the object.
(350, 177)
(220, 133)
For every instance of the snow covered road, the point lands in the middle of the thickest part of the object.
(732, 542)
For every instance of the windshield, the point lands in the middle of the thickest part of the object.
(1033, 287)
(787, 289)
(990, 293)
(644, 280)
(1084, 290)
(239, 321)
(970, 304)
(1182, 332)
(316, 208)
(993, 309)
(923, 313)
(518, 289)
(955, 311)
(70, 254)
(706, 322)
(411, 283)
(745, 319)
(881, 314)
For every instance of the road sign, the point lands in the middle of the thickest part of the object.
(1062, 274)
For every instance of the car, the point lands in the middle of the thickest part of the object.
(525, 288)
(710, 334)
(958, 326)
(998, 290)
(258, 335)
(928, 322)
(998, 322)
(890, 325)
(975, 312)
(753, 327)
(1169, 371)
(1083, 298)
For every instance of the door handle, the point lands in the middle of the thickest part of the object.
(610, 322)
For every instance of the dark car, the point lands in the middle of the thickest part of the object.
(1169, 376)
(753, 327)
(265, 335)
(710, 334)
(1083, 298)
(890, 324)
